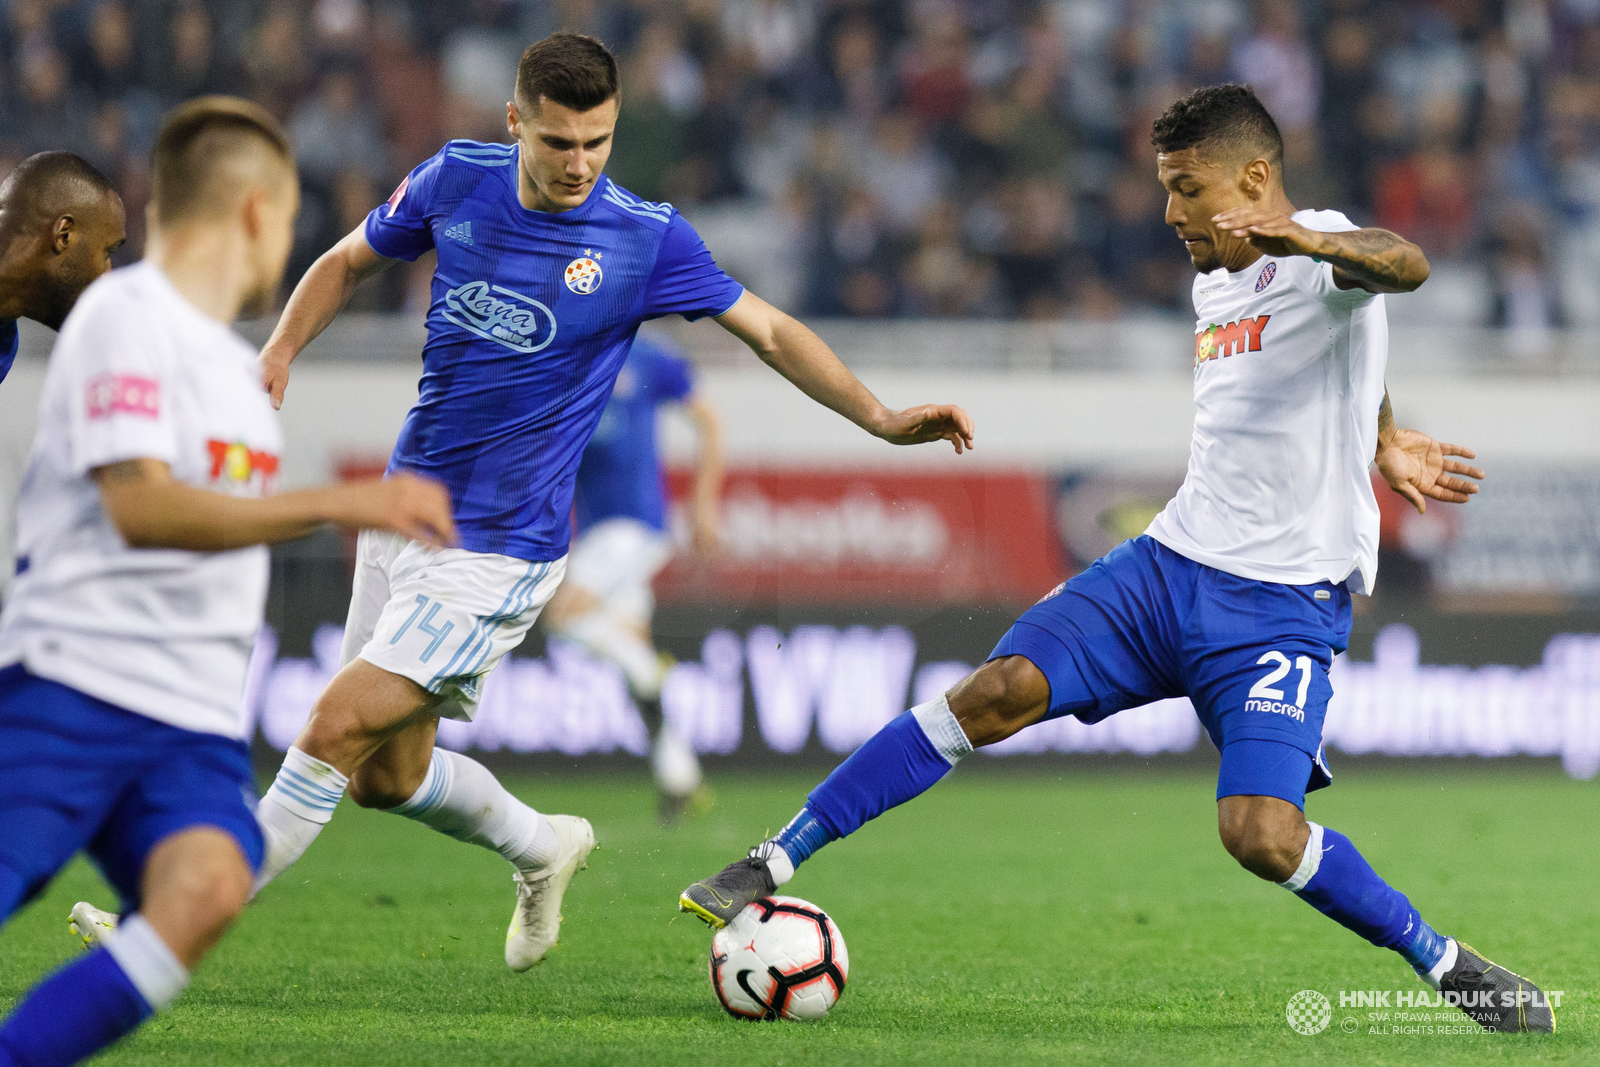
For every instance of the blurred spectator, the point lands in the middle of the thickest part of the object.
(901, 157)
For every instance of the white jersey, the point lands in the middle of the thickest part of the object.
(140, 373)
(1288, 379)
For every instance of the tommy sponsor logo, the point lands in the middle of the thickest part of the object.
(584, 274)
(237, 464)
(1215, 341)
(499, 314)
(123, 394)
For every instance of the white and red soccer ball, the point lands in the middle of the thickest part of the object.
(781, 957)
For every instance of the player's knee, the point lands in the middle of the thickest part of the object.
(211, 897)
(1267, 849)
(1000, 698)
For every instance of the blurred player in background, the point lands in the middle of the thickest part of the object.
(545, 271)
(605, 602)
(142, 577)
(1238, 594)
(60, 221)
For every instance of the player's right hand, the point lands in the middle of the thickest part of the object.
(413, 507)
(275, 374)
(928, 422)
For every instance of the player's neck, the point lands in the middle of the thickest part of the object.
(1246, 254)
(206, 265)
(22, 275)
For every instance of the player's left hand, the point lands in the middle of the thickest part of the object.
(705, 538)
(1272, 232)
(927, 422)
(1419, 469)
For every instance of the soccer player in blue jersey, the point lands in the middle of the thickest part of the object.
(546, 268)
(605, 602)
(1238, 594)
(60, 222)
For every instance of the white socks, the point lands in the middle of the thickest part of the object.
(673, 763)
(611, 639)
(461, 799)
(150, 965)
(1442, 968)
(943, 730)
(295, 809)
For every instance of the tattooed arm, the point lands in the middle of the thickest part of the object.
(1375, 260)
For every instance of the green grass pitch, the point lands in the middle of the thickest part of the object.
(1007, 918)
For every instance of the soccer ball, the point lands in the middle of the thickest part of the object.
(779, 957)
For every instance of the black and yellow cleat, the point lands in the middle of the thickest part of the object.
(1497, 999)
(725, 894)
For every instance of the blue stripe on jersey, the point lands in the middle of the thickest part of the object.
(527, 329)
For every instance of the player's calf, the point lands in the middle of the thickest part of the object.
(1266, 835)
(901, 761)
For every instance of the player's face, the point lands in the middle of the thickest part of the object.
(562, 151)
(97, 230)
(1199, 188)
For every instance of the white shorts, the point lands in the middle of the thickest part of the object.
(616, 560)
(442, 618)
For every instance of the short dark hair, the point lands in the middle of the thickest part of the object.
(195, 138)
(1229, 117)
(571, 69)
(40, 184)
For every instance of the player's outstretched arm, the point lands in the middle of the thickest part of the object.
(152, 510)
(788, 347)
(1372, 259)
(315, 302)
(1420, 468)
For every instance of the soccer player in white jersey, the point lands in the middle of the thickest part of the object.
(546, 268)
(142, 578)
(1238, 594)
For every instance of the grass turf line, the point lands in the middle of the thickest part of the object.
(1024, 919)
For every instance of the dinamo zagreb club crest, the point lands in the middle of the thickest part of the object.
(583, 276)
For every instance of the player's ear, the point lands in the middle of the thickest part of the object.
(513, 120)
(62, 232)
(1257, 177)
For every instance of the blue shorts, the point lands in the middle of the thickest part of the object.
(1144, 623)
(79, 773)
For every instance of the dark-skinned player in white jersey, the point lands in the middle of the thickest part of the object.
(1238, 595)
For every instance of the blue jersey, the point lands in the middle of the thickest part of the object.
(620, 476)
(8, 346)
(532, 315)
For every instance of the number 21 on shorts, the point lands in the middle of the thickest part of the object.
(1264, 690)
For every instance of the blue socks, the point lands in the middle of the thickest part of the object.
(93, 1001)
(1336, 880)
(76, 1012)
(899, 762)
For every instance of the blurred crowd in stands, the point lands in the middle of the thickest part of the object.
(880, 158)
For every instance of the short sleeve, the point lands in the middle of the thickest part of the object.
(1321, 282)
(686, 280)
(119, 399)
(402, 228)
(9, 341)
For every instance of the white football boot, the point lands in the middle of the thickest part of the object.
(536, 924)
(90, 924)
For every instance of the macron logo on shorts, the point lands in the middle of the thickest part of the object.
(123, 394)
(1276, 707)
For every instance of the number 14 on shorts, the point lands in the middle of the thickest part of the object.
(427, 609)
(1264, 696)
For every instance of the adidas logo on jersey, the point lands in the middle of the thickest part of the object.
(461, 231)
(1215, 341)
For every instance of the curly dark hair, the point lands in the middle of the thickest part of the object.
(1229, 117)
